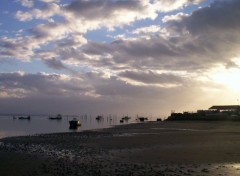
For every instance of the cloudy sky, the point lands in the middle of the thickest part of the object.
(145, 57)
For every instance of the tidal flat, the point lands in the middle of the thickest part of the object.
(152, 148)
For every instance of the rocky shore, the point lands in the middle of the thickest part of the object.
(154, 148)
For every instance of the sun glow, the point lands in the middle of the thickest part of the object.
(227, 77)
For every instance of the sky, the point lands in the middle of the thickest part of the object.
(146, 57)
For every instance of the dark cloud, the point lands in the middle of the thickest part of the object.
(101, 8)
(29, 85)
(220, 17)
(193, 44)
(56, 64)
(199, 41)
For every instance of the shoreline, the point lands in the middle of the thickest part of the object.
(153, 148)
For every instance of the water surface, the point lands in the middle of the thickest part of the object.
(41, 124)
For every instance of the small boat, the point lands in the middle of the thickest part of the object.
(142, 119)
(58, 117)
(74, 123)
(126, 118)
(22, 117)
(99, 117)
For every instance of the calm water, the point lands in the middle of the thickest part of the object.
(41, 124)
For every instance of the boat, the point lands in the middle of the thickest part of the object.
(142, 119)
(58, 117)
(23, 117)
(126, 118)
(74, 123)
(99, 117)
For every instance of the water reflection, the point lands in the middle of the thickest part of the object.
(74, 128)
(13, 126)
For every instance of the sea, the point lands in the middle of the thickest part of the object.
(10, 126)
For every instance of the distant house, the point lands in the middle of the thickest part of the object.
(219, 112)
(225, 108)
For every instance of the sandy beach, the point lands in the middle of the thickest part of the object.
(154, 148)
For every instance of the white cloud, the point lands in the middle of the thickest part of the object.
(50, 1)
(171, 5)
(176, 17)
(41, 84)
(147, 30)
(27, 3)
(46, 12)
(127, 69)
(23, 16)
(95, 14)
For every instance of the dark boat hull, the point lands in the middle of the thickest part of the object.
(74, 123)
(55, 118)
(27, 118)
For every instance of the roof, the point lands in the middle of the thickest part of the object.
(225, 107)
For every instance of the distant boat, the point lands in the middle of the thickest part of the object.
(126, 118)
(22, 117)
(142, 119)
(58, 117)
(74, 123)
(99, 117)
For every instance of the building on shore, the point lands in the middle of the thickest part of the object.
(223, 112)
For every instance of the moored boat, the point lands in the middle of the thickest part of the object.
(126, 118)
(142, 119)
(74, 123)
(58, 117)
(99, 117)
(23, 117)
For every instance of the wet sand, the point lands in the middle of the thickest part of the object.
(154, 148)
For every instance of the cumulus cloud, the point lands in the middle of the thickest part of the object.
(27, 3)
(176, 17)
(56, 64)
(152, 78)
(168, 66)
(16, 47)
(211, 32)
(147, 30)
(82, 16)
(197, 41)
(30, 85)
(46, 12)
(171, 5)
(109, 14)
(192, 41)
(49, 1)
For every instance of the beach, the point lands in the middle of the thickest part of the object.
(152, 148)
